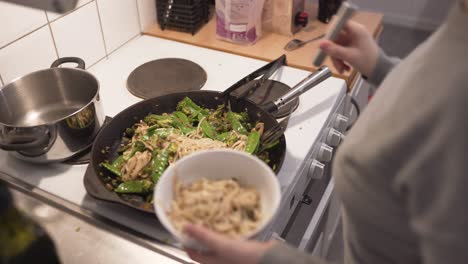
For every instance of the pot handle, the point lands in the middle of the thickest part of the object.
(60, 61)
(27, 142)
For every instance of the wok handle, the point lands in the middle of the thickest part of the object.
(303, 86)
(60, 61)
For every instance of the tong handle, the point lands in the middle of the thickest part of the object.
(265, 71)
(303, 86)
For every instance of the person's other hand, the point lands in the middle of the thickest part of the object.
(354, 47)
(224, 250)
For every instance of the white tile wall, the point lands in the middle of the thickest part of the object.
(53, 16)
(79, 35)
(31, 39)
(119, 21)
(34, 52)
(147, 10)
(16, 21)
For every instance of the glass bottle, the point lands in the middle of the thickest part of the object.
(21, 239)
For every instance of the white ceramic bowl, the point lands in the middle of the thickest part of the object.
(218, 164)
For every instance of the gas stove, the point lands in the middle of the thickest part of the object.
(314, 130)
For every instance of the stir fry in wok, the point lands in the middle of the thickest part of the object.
(151, 145)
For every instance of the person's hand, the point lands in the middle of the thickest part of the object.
(354, 47)
(224, 250)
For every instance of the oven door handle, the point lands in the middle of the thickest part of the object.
(312, 233)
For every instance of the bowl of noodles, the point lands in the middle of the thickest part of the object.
(229, 192)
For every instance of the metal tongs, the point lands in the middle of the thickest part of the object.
(265, 72)
(274, 133)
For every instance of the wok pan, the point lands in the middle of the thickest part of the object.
(109, 138)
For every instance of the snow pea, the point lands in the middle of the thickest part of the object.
(253, 140)
(159, 163)
(190, 108)
(181, 121)
(208, 129)
(137, 147)
(114, 167)
(138, 186)
(159, 120)
(235, 120)
(111, 168)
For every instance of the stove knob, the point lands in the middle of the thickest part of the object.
(325, 153)
(340, 123)
(316, 170)
(334, 137)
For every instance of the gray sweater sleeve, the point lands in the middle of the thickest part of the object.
(384, 65)
(282, 253)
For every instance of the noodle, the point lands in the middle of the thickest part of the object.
(220, 205)
(195, 141)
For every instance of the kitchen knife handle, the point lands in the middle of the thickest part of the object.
(345, 12)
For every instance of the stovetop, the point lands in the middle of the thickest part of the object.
(305, 124)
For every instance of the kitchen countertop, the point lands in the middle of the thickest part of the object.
(270, 45)
(65, 182)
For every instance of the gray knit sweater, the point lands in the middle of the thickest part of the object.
(402, 171)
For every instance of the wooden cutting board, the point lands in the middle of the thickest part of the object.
(270, 45)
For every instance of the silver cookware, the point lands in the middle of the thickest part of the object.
(50, 115)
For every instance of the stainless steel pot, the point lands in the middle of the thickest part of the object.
(50, 115)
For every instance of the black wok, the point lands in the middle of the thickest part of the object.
(109, 138)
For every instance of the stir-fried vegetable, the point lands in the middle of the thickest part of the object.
(253, 141)
(148, 147)
(139, 186)
(159, 164)
(208, 129)
(235, 121)
(137, 147)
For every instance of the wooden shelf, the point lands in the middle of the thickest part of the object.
(270, 45)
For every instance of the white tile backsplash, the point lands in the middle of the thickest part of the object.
(30, 39)
(119, 21)
(79, 35)
(17, 21)
(33, 52)
(53, 16)
(147, 11)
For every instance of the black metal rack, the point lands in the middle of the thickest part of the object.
(182, 15)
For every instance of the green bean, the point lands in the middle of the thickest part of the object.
(138, 186)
